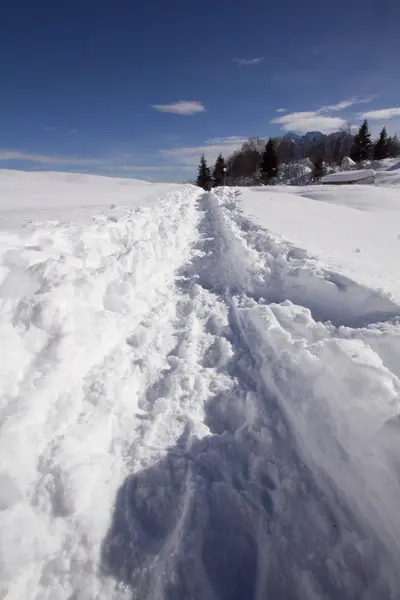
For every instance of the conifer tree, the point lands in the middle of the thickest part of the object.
(218, 171)
(362, 144)
(269, 162)
(381, 148)
(394, 146)
(204, 179)
(318, 168)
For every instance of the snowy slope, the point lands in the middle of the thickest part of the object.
(28, 196)
(191, 407)
(353, 229)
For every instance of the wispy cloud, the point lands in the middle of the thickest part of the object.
(228, 140)
(45, 159)
(134, 168)
(183, 107)
(382, 114)
(246, 62)
(318, 120)
(189, 155)
(281, 110)
(346, 103)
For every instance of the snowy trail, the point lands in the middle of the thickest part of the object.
(86, 318)
(192, 408)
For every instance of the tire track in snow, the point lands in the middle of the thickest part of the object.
(243, 511)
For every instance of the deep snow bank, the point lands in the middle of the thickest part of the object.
(354, 230)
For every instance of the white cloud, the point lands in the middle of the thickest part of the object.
(183, 107)
(281, 110)
(144, 168)
(384, 113)
(318, 120)
(245, 62)
(347, 103)
(309, 121)
(49, 160)
(229, 140)
(340, 105)
(189, 156)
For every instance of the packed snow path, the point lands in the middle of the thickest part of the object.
(193, 409)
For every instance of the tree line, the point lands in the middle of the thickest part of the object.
(257, 162)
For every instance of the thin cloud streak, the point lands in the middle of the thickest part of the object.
(246, 62)
(145, 168)
(183, 107)
(346, 103)
(49, 160)
(190, 155)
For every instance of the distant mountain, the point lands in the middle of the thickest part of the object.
(314, 143)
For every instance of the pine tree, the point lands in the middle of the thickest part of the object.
(218, 176)
(381, 148)
(204, 175)
(269, 166)
(318, 168)
(362, 144)
(394, 146)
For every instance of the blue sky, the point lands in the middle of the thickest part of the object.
(141, 88)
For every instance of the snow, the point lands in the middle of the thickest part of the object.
(192, 405)
(26, 196)
(354, 230)
(347, 176)
(348, 163)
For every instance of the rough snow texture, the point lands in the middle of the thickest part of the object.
(192, 407)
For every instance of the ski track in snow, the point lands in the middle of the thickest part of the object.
(194, 409)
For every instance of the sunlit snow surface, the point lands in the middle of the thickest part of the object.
(192, 406)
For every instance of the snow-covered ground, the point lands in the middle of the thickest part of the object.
(193, 406)
(352, 229)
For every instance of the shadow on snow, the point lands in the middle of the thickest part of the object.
(236, 515)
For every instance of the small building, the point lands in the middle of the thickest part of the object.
(363, 176)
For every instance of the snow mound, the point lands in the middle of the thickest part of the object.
(26, 196)
(348, 163)
(349, 176)
(353, 230)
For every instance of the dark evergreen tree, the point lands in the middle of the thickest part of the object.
(381, 147)
(362, 144)
(394, 146)
(204, 179)
(218, 175)
(269, 166)
(318, 168)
